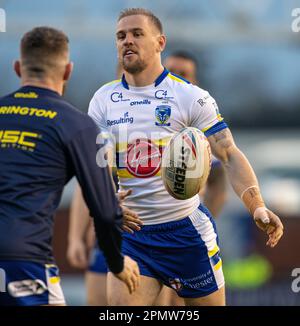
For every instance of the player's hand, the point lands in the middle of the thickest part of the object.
(122, 194)
(130, 274)
(77, 254)
(267, 221)
(131, 220)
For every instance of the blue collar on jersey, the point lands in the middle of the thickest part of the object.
(158, 80)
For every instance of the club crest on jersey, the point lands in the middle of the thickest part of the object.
(162, 114)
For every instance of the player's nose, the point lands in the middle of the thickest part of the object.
(128, 39)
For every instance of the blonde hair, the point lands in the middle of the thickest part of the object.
(144, 12)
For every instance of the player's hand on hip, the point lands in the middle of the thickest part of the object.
(269, 222)
(77, 254)
(130, 274)
(122, 194)
(131, 221)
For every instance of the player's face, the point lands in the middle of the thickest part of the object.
(182, 67)
(138, 43)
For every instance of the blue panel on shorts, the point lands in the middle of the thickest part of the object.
(175, 254)
(26, 284)
(97, 262)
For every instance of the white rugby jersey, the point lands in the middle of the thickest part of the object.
(142, 120)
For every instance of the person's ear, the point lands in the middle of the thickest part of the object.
(68, 71)
(17, 68)
(162, 40)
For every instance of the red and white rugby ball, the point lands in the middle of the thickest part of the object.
(186, 163)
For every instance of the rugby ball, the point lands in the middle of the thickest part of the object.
(186, 163)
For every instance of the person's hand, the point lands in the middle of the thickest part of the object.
(270, 223)
(131, 220)
(130, 274)
(77, 254)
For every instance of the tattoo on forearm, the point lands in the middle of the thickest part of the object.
(253, 192)
(220, 135)
(223, 137)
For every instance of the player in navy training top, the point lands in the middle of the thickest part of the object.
(44, 142)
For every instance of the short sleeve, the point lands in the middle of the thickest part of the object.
(205, 113)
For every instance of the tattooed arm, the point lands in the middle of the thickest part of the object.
(238, 168)
(245, 184)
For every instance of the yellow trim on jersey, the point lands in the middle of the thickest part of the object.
(219, 117)
(123, 173)
(218, 265)
(54, 279)
(122, 147)
(213, 251)
(176, 78)
(112, 82)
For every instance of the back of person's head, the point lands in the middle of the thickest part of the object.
(183, 64)
(44, 53)
(186, 56)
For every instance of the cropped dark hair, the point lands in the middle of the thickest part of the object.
(184, 55)
(41, 48)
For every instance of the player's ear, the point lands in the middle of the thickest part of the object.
(162, 40)
(17, 68)
(68, 71)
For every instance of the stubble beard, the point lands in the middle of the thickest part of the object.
(134, 68)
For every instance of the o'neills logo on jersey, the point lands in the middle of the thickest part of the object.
(143, 102)
(143, 158)
(124, 119)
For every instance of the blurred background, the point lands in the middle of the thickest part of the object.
(249, 60)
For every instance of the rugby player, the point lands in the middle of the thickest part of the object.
(177, 244)
(44, 142)
(80, 250)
